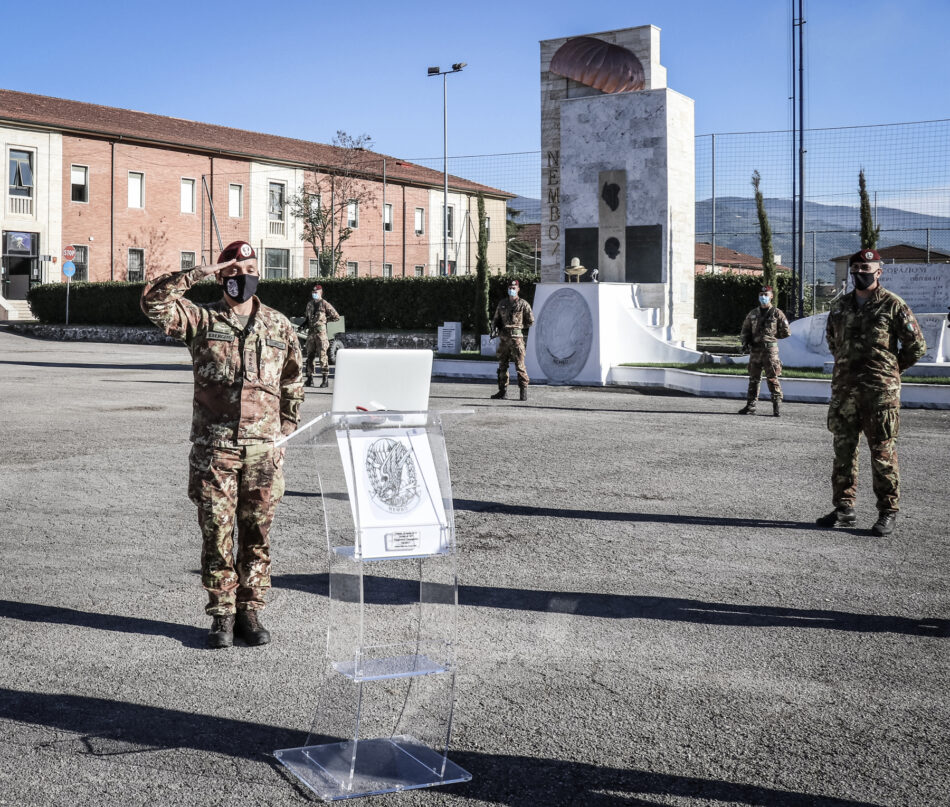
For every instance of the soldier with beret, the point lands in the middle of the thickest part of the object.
(761, 330)
(248, 393)
(874, 337)
(512, 319)
(319, 312)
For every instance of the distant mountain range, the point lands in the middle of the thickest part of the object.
(835, 228)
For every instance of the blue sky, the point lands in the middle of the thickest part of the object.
(305, 69)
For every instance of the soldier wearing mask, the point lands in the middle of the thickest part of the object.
(512, 319)
(248, 393)
(874, 337)
(319, 312)
(761, 330)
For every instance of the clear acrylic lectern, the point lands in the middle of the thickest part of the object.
(382, 495)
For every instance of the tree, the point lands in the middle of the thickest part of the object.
(482, 315)
(322, 204)
(869, 233)
(519, 254)
(765, 237)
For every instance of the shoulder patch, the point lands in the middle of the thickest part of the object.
(220, 337)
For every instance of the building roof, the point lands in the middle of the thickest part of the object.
(93, 120)
(730, 258)
(903, 252)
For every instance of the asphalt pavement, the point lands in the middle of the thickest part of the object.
(648, 615)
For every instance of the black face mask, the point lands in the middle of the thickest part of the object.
(240, 288)
(863, 280)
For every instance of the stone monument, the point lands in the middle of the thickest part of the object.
(618, 197)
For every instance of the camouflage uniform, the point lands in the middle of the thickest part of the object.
(761, 330)
(248, 392)
(866, 389)
(318, 314)
(512, 318)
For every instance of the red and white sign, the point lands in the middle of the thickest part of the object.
(69, 253)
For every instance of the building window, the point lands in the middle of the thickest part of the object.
(488, 227)
(353, 214)
(314, 267)
(235, 201)
(419, 270)
(450, 221)
(187, 196)
(21, 173)
(136, 189)
(187, 261)
(276, 263)
(79, 178)
(387, 270)
(136, 272)
(315, 206)
(352, 269)
(420, 225)
(275, 201)
(82, 264)
(388, 218)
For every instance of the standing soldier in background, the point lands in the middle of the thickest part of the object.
(319, 313)
(762, 329)
(512, 319)
(247, 394)
(863, 332)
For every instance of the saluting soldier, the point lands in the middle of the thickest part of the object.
(761, 330)
(319, 312)
(247, 394)
(512, 319)
(874, 337)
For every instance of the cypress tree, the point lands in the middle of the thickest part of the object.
(869, 233)
(482, 316)
(765, 238)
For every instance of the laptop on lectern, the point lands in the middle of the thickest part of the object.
(375, 379)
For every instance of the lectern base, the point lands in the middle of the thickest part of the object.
(381, 766)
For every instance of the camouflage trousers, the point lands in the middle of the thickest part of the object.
(848, 417)
(511, 349)
(317, 341)
(764, 359)
(243, 484)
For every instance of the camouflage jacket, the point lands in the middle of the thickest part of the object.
(864, 341)
(318, 314)
(248, 386)
(763, 327)
(513, 316)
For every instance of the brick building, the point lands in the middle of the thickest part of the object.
(138, 194)
(728, 260)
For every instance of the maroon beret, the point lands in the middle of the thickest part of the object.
(318, 287)
(865, 256)
(765, 289)
(514, 284)
(237, 250)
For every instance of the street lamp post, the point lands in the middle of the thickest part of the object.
(435, 71)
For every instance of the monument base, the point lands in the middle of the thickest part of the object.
(584, 329)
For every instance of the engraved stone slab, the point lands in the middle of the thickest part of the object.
(565, 330)
(925, 287)
(450, 337)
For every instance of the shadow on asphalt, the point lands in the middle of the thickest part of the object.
(400, 591)
(188, 635)
(86, 365)
(109, 728)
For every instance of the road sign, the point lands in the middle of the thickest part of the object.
(69, 268)
(69, 253)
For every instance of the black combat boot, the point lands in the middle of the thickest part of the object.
(325, 382)
(524, 392)
(309, 381)
(222, 631)
(842, 516)
(885, 523)
(776, 405)
(502, 393)
(250, 629)
(748, 409)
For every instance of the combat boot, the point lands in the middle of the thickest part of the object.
(222, 631)
(502, 393)
(748, 409)
(250, 629)
(524, 392)
(776, 405)
(324, 382)
(839, 517)
(885, 523)
(309, 381)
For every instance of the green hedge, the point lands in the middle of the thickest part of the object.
(368, 303)
(722, 301)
